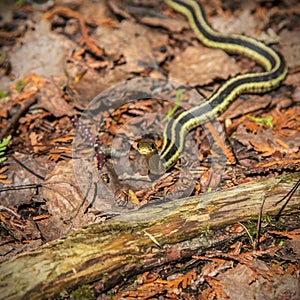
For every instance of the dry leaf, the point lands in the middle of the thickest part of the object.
(22, 177)
(51, 99)
(266, 149)
(198, 66)
(63, 201)
(41, 52)
(244, 23)
(67, 12)
(245, 105)
(236, 285)
(140, 46)
(290, 43)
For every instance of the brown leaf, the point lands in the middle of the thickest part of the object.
(174, 25)
(67, 12)
(236, 285)
(287, 163)
(51, 99)
(290, 42)
(64, 199)
(243, 23)
(4, 180)
(177, 279)
(140, 47)
(294, 234)
(21, 176)
(41, 52)
(218, 288)
(219, 142)
(287, 122)
(267, 141)
(197, 66)
(265, 148)
(246, 105)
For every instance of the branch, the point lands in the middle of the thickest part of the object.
(112, 251)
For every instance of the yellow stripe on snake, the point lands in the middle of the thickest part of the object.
(176, 129)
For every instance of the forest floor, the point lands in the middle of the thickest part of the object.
(83, 81)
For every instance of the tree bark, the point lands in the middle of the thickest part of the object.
(112, 251)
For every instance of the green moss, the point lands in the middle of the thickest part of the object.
(171, 112)
(207, 231)
(110, 294)
(268, 120)
(3, 147)
(132, 259)
(20, 85)
(251, 225)
(19, 3)
(3, 94)
(84, 292)
(63, 295)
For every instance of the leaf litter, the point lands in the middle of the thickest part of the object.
(62, 57)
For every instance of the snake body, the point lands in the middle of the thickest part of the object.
(275, 71)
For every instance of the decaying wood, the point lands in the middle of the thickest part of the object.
(112, 251)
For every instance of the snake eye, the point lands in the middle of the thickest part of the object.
(146, 147)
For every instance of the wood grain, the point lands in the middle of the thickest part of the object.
(111, 252)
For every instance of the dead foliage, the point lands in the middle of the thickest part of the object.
(41, 198)
(239, 273)
(67, 12)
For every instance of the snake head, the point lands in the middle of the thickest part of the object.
(147, 147)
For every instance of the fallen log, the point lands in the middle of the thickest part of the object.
(112, 251)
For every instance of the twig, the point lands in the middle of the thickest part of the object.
(250, 237)
(258, 228)
(20, 187)
(15, 118)
(27, 169)
(288, 196)
(10, 210)
(152, 238)
(73, 14)
(220, 142)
